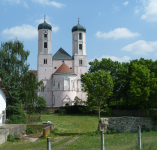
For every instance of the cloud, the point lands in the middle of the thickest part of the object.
(117, 34)
(137, 9)
(52, 3)
(126, 3)
(141, 47)
(18, 2)
(150, 9)
(25, 4)
(54, 27)
(21, 32)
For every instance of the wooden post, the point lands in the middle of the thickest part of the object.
(48, 143)
(139, 137)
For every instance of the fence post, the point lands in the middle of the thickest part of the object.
(102, 140)
(48, 143)
(139, 137)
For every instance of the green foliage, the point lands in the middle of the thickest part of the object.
(29, 130)
(134, 83)
(29, 87)
(77, 101)
(13, 65)
(98, 86)
(40, 103)
(12, 138)
(57, 111)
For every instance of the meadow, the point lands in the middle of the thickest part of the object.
(78, 132)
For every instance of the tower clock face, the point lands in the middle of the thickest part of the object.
(45, 31)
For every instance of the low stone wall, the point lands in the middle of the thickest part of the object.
(13, 129)
(129, 124)
(38, 127)
(47, 130)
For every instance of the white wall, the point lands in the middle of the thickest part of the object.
(2, 104)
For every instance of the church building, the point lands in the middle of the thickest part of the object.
(61, 72)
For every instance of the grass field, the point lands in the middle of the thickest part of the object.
(71, 134)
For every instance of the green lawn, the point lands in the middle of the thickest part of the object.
(70, 126)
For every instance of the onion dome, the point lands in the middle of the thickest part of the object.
(78, 27)
(44, 25)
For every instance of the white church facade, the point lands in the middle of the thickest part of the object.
(61, 72)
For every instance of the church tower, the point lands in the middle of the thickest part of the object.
(45, 59)
(79, 54)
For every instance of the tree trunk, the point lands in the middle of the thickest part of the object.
(99, 111)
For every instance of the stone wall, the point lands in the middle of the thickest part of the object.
(47, 130)
(129, 124)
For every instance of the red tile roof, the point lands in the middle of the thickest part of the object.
(64, 69)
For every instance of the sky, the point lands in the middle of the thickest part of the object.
(121, 30)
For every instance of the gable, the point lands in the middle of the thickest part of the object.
(61, 54)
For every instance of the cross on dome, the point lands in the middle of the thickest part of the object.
(44, 17)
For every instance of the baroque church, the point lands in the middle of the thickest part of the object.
(61, 72)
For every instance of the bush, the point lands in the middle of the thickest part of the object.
(17, 119)
(12, 138)
(29, 130)
(57, 111)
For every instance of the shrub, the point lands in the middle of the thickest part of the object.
(29, 130)
(12, 138)
(57, 111)
(17, 119)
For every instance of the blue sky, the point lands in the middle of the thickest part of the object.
(122, 30)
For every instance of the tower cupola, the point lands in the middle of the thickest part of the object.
(78, 27)
(44, 25)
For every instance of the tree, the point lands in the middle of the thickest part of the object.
(98, 86)
(29, 88)
(143, 86)
(119, 74)
(77, 101)
(13, 65)
(40, 103)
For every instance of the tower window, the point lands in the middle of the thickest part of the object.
(59, 85)
(80, 62)
(80, 46)
(63, 61)
(45, 35)
(45, 62)
(53, 83)
(45, 44)
(55, 67)
(80, 36)
(70, 67)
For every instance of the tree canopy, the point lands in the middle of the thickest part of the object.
(98, 86)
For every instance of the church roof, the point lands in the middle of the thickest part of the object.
(61, 54)
(64, 69)
(44, 25)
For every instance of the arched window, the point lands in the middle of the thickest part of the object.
(80, 62)
(45, 44)
(80, 46)
(45, 61)
(80, 36)
(45, 35)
